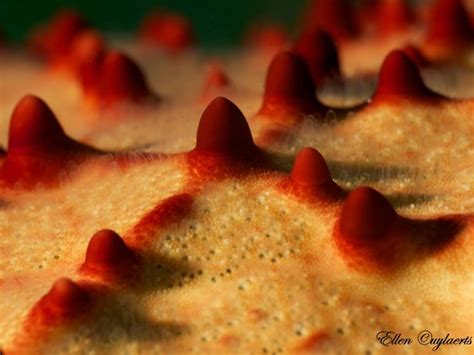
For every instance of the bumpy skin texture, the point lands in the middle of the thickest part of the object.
(228, 238)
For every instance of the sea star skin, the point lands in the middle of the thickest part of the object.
(231, 243)
(246, 187)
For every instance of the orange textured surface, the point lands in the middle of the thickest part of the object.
(327, 197)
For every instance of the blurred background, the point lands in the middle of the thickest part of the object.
(216, 22)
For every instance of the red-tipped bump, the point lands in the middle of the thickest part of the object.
(54, 41)
(170, 31)
(65, 300)
(108, 252)
(366, 217)
(310, 168)
(449, 25)
(320, 54)
(87, 45)
(122, 80)
(334, 16)
(224, 130)
(35, 129)
(38, 148)
(394, 16)
(400, 78)
(310, 178)
(267, 38)
(88, 54)
(289, 87)
(215, 81)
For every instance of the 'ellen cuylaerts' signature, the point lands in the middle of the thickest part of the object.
(425, 337)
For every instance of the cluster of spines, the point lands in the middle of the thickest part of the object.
(367, 220)
(107, 77)
(448, 27)
(108, 259)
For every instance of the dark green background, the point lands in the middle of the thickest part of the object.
(216, 22)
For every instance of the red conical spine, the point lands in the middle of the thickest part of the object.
(400, 78)
(216, 81)
(54, 41)
(370, 234)
(394, 16)
(289, 87)
(121, 80)
(35, 129)
(65, 301)
(320, 54)
(310, 168)
(223, 130)
(366, 217)
(87, 45)
(108, 256)
(170, 31)
(310, 178)
(266, 37)
(366, 15)
(38, 148)
(88, 54)
(449, 26)
(335, 17)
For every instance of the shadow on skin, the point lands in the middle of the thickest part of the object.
(438, 233)
(350, 172)
(409, 241)
(348, 94)
(118, 318)
(161, 273)
(406, 199)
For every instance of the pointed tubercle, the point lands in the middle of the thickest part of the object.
(224, 130)
(107, 252)
(400, 78)
(366, 217)
(320, 54)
